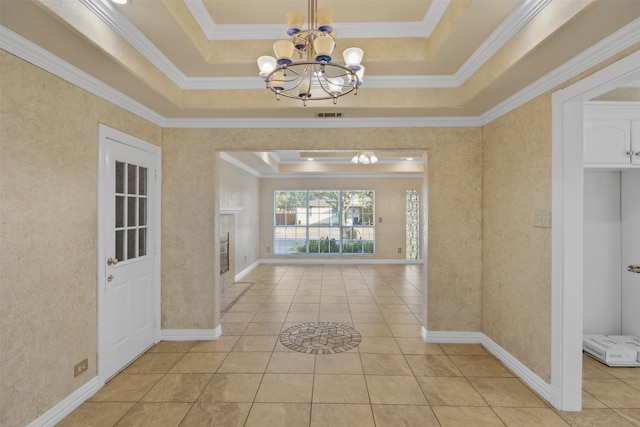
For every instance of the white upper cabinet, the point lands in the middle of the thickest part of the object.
(612, 134)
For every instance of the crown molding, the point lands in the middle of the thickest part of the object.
(316, 123)
(112, 17)
(373, 82)
(30, 52)
(341, 175)
(617, 42)
(215, 31)
(237, 163)
(520, 17)
(119, 23)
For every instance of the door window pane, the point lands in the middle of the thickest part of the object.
(120, 177)
(119, 211)
(131, 243)
(120, 236)
(142, 211)
(131, 211)
(132, 178)
(142, 242)
(142, 184)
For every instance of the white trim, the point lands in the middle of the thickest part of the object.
(41, 58)
(398, 175)
(191, 334)
(237, 163)
(119, 23)
(68, 404)
(313, 123)
(357, 259)
(603, 110)
(246, 271)
(620, 40)
(545, 390)
(451, 337)
(230, 211)
(520, 17)
(17, 45)
(215, 31)
(567, 232)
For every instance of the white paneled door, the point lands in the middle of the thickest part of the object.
(127, 270)
(630, 231)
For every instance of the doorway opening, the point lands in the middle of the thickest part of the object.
(567, 232)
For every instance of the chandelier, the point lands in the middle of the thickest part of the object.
(364, 158)
(303, 67)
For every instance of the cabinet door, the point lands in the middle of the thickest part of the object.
(635, 142)
(607, 141)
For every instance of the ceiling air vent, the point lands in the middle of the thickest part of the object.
(329, 115)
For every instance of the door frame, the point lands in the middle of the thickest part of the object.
(107, 133)
(567, 231)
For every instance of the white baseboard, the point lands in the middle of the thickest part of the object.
(304, 259)
(68, 404)
(246, 271)
(544, 389)
(450, 337)
(191, 334)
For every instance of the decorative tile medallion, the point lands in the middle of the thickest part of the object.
(320, 338)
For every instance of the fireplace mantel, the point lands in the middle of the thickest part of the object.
(230, 211)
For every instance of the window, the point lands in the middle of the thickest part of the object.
(324, 222)
(412, 224)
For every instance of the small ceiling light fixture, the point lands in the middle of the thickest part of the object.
(303, 67)
(120, 1)
(364, 158)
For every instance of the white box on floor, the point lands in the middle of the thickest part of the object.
(609, 351)
(629, 341)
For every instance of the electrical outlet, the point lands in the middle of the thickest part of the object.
(399, 250)
(81, 367)
(542, 219)
(268, 249)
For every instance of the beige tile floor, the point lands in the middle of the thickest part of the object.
(247, 378)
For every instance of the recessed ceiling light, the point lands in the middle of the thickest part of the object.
(409, 158)
(120, 1)
(310, 159)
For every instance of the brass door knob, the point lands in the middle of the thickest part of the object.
(634, 268)
(112, 261)
(109, 277)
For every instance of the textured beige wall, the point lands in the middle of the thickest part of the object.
(516, 255)
(190, 269)
(390, 206)
(455, 207)
(48, 169)
(240, 189)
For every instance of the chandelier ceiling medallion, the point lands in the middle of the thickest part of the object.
(303, 67)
